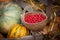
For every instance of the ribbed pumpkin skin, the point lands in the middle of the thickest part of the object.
(18, 31)
(10, 15)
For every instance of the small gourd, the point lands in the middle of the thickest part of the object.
(18, 31)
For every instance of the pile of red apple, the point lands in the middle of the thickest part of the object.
(34, 17)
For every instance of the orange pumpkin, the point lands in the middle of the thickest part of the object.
(1, 36)
(5, 0)
(18, 31)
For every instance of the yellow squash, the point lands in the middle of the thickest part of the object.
(18, 31)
